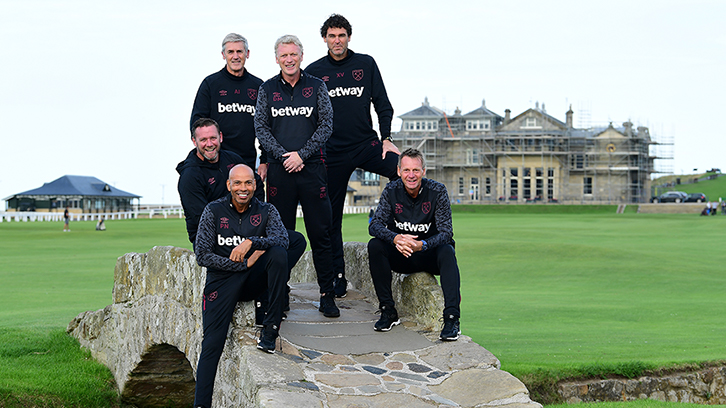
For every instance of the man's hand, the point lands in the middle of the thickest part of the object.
(407, 244)
(254, 257)
(388, 146)
(239, 252)
(262, 171)
(293, 163)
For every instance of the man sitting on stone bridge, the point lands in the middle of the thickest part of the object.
(412, 230)
(242, 242)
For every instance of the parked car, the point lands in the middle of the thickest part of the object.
(696, 198)
(673, 197)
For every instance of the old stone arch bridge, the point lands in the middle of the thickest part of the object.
(150, 339)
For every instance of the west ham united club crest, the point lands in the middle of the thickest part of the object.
(357, 74)
(252, 93)
(399, 208)
(255, 220)
(307, 92)
(426, 207)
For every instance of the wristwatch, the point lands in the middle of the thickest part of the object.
(424, 245)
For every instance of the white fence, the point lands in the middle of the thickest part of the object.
(32, 216)
(143, 212)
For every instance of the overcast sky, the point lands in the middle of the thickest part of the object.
(105, 88)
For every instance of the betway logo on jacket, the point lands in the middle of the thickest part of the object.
(356, 91)
(407, 226)
(229, 241)
(290, 111)
(235, 107)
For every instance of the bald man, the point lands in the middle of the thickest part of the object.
(242, 242)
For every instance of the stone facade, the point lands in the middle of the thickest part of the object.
(150, 339)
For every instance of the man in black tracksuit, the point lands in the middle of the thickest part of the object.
(203, 174)
(412, 230)
(229, 97)
(242, 243)
(293, 120)
(354, 82)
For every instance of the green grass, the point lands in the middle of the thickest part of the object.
(552, 294)
(713, 189)
(47, 368)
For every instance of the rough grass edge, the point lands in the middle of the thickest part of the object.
(543, 384)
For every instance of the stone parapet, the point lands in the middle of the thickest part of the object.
(707, 386)
(150, 339)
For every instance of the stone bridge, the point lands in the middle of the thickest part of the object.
(150, 339)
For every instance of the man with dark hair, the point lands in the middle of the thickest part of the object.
(229, 96)
(242, 243)
(203, 174)
(412, 232)
(354, 82)
(293, 120)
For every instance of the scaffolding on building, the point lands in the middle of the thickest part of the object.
(551, 162)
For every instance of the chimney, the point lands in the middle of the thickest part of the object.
(568, 115)
(628, 128)
(506, 116)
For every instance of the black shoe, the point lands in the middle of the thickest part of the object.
(267, 339)
(327, 306)
(340, 286)
(389, 318)
(260, 313)
(451, 330)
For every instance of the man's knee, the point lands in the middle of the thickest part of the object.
(277, 257)
(446, 250)
(376, 247)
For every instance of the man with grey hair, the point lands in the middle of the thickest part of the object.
(229, 97)
(412, 232)
(293, 120)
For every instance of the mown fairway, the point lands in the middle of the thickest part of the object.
(541, 291)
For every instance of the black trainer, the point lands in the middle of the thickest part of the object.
(389, 318)
(328, 307)
(340, 286)
(267, 339)
(451, 330)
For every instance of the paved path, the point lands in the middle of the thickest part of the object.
(343, 362)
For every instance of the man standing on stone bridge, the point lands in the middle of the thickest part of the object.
(242, 242)
(413, 232)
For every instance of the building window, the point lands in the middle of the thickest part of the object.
(461, 185)
(421, 126)
(488, 186)
(539, 184)
(367, 178)
(587, 185)
(527, 183)
(513, 183)
(474, 191)
(531, 123)
(472, 156)
(479, 124)
(550, 183)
